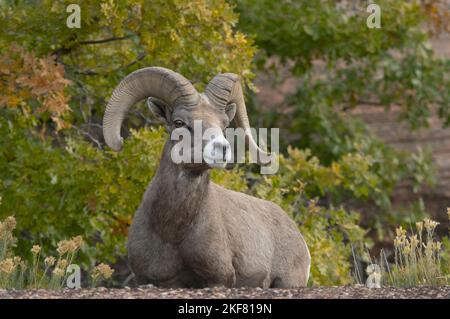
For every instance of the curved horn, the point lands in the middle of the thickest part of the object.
(225, 89)
(160, 83)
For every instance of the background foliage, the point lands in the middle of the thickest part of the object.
(59, 181)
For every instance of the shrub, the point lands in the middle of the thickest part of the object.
(329, 230)
(59, 185)
(338, 64)
(58, 192)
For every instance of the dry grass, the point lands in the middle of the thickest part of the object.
(418, 259)
(50, 272)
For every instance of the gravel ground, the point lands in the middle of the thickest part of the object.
(150, 292)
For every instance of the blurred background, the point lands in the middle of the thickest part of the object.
(363, 116)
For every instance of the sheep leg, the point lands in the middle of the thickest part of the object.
(214, 272)
(212, 265)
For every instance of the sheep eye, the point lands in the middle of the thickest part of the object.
(178, 123)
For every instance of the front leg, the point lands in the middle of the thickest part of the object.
(212, 270)
(152, 260)
(211, 263)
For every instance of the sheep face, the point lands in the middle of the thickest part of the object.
(197, 139)
(197, 119)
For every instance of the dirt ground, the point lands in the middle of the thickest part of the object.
(151, 292)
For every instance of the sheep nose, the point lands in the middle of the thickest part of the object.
(221, 148)
(217, 151)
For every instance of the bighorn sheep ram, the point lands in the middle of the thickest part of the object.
(189, 231)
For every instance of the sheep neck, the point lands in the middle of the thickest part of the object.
(179, 196)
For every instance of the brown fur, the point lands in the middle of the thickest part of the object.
(191, 232)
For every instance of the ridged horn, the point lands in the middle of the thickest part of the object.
(225, 89)
(157, 82)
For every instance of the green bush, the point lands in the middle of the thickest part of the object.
(330, 231)
(56, 192)
(340, 64)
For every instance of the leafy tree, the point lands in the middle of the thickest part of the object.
(341, 64)
(116, 37)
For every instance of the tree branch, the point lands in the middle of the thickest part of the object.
(87, 134)
(361, 102)
(106, 40)
(66, 50)
(92, 72)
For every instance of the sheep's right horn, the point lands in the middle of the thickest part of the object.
(225, 89)
(160, 83)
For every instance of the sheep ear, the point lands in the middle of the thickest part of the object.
(230, 110)
(160, 109)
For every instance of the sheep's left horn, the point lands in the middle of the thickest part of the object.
(225, 89)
